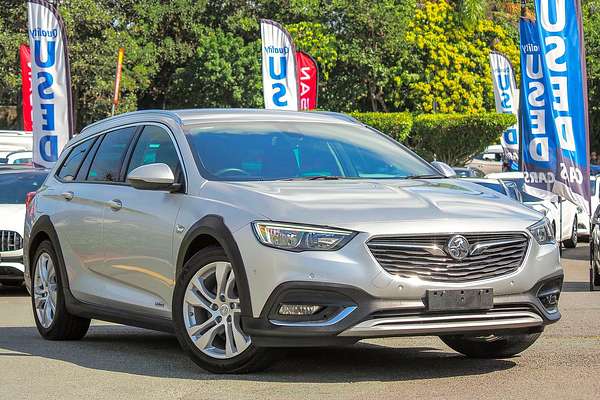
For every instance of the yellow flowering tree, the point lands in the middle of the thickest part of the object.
(451, 61)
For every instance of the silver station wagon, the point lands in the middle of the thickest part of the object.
(246, 230)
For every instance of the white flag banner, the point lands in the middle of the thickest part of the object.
(507, 102)
(52, 109)
(280, 81)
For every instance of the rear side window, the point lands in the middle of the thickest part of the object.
(107, 163)
(68, 171)
(154, 146)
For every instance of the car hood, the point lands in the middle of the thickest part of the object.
(12, 217)
(426, 204)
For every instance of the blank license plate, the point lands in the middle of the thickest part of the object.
(460, 299)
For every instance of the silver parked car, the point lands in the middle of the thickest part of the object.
(246, 230)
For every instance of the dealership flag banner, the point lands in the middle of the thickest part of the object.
(507, 102)
(25, 61)
(280, 83)
(554, 125)
(52, 111)
(308, 80)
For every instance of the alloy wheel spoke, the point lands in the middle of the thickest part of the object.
(230, 348)
(196, 330)
(241, 342)
(199, 284)
(207, 339)
(221, 274)
(229, 286)
(193, 299)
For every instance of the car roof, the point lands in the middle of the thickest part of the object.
(191, 117)
(20, 168)
(482, 180)
(506, 175)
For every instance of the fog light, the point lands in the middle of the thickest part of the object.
(299, 309)
(549, 294)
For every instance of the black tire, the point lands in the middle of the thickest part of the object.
(12, 283)
(571, 243)
(251, 359)
(595, 271)
(64, 326)
(501, 346)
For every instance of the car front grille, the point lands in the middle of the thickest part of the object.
(10, 241)
(425, 257)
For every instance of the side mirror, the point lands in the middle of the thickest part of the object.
(153, 177)
(444, 169)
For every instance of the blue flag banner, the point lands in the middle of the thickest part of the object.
(554, 126)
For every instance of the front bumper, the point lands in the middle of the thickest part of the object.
(384, 304)
(355, 315)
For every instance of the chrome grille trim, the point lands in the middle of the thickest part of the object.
(10, 241)
(423, 256)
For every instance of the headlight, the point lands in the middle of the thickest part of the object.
(542, 232)
(299, 237)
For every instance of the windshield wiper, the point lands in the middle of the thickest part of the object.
(316, 178)
(430, 176)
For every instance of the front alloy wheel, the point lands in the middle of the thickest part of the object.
(212, 312)
(207, 315)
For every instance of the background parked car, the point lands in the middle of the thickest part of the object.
(12, 141)
(550, 206)
(15, 183)
(490, 161)
(21, 157)
(507, 188)
(468, 172)
(595, 247)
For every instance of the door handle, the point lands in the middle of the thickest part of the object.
(115, 204)
(68, 195)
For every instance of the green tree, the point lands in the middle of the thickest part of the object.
(451, 71)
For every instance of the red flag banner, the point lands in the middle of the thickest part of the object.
(308, 80)
(25, 57)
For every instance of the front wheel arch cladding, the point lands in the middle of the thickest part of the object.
(214, 226)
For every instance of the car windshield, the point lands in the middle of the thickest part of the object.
(527, 198)
(16, 185)
(252, 151)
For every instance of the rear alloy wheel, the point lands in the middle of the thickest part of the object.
(52, 319)
(207, 316)
(491, 346)
(571, 243)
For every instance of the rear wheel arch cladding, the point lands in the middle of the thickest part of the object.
(214, 226)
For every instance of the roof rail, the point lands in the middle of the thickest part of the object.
(127, 114)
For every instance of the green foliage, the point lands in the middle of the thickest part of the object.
(224, 71)
(455, 138)
(451, 71)
(396, 125)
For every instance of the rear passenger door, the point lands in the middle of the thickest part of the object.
(80, 197)
(138, 229)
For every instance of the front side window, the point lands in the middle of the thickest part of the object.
(68, 171)
(107, 163)
(154, 146)
(300, 150)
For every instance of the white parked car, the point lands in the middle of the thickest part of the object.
(550, 206)
(583, 219)
(12, 141)
(14, 186)
(21, 157)
(490, 161)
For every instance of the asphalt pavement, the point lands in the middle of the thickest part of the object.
(117, 362)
